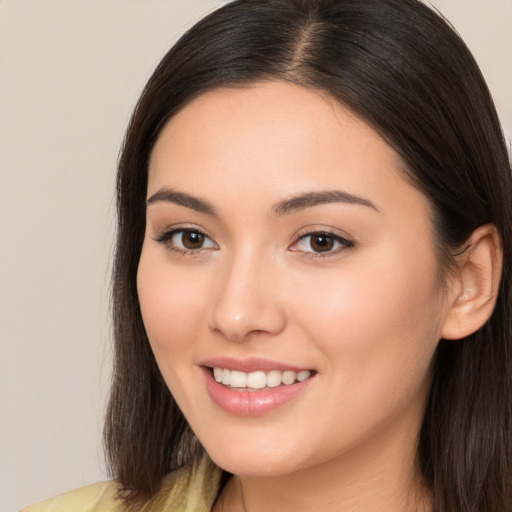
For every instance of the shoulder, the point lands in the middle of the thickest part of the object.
(99, 497)
(192, 488)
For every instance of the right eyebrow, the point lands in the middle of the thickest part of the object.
(182, 199)
(310, 199)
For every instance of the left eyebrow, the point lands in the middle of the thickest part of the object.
(310, 199)
(182, 199)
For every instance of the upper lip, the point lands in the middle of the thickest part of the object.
(250, 364)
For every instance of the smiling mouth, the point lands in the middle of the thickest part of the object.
(258, 380)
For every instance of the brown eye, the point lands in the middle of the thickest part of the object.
(186, 240)
(321, 242)
(192, 239)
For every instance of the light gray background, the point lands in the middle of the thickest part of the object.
(70, 74)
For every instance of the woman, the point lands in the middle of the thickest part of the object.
(312, 275)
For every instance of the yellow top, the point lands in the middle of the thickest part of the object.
(185, 490)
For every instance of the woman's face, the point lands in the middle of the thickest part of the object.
(282, 237)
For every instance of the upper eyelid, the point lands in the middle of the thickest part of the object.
(327, 233)
(179, 227)
(165, 238)
(316, 229)
(345, 242)
(341, 239)
(166, 234)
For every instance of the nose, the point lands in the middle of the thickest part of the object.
(247, 301)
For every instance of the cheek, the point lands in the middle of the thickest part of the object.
(377, 336)
(378, 322)
(171, 305)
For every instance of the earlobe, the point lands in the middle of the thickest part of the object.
(477, 284)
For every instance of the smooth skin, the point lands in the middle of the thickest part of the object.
(348, 288)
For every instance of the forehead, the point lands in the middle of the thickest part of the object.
(276, 139)
(271, 113)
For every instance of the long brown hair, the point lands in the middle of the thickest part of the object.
(401, 68)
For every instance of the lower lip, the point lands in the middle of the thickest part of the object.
(252, 403)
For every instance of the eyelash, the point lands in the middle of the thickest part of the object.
(344, 244)
(166, 239)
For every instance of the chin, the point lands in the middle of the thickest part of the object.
(253, 461)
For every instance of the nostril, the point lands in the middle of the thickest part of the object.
(245, 306)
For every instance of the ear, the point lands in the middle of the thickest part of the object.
(474, 289)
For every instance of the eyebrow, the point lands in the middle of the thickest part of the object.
(182, 199)
(310, 199)
(285, 207)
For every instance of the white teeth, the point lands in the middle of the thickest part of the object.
(217, 373)
(303, 375)
(256, 380)
(238, 379)
(288, 377)
(274, 378)
(259, 379)
(226, 377)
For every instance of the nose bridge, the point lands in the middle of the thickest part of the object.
(246, 299)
